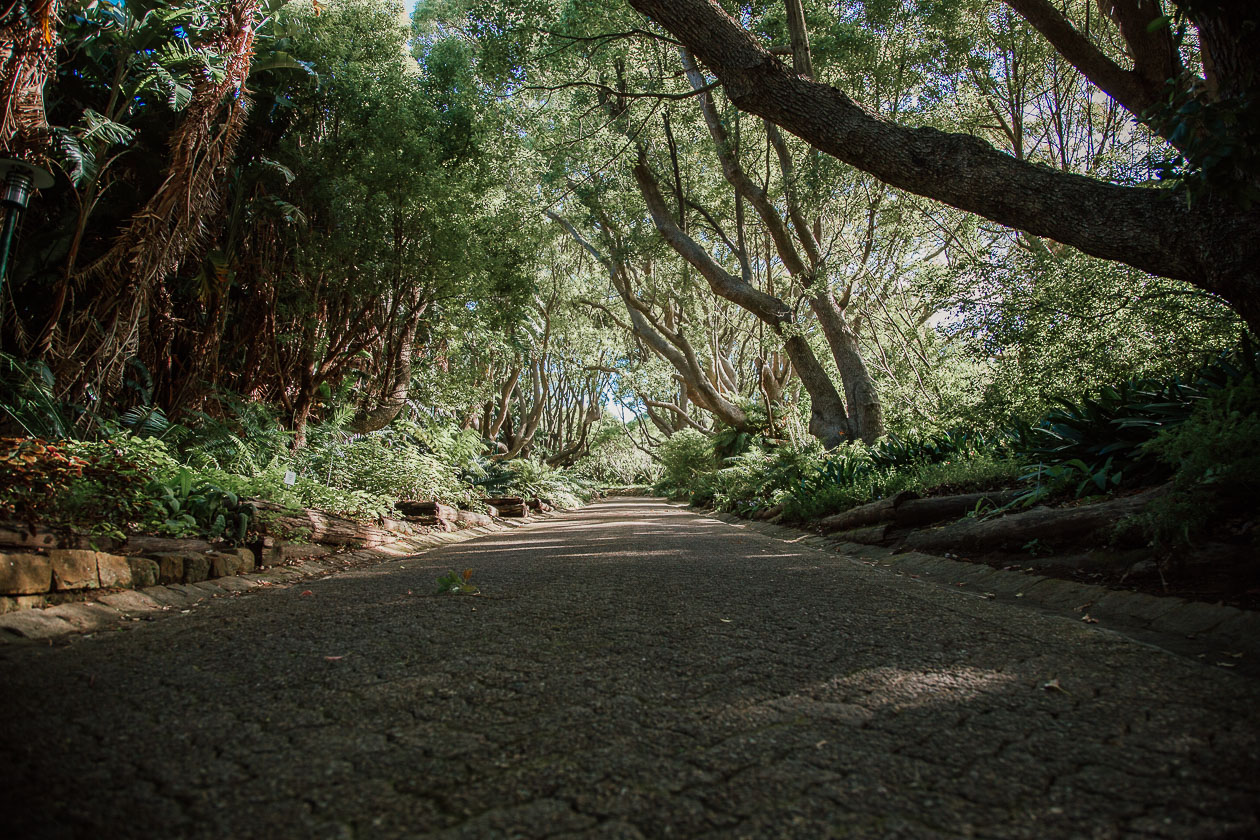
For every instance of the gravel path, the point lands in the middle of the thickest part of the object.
(631, 670)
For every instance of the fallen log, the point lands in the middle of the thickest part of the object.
(881, 511)
(1052, 527)
(914, 512)
(139, 544)
(510, 506)
(412, 507)
(316, 526)
(870, 535)
(19, 536)
(398, 526)
(468, 517)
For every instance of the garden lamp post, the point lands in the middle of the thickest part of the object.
(20, 178)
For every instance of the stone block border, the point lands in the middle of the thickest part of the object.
(176, 581)
(30, 580)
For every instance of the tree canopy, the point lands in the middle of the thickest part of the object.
(543, 220)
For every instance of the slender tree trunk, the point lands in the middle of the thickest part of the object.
(394, 399)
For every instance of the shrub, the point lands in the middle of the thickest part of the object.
(246, 440)
(1215, 460)
(686, 456)
(61, 482)
(759, 477)
(852, 476)
(113, 487)
(1101, 441)
(533, 479)
(28, 402)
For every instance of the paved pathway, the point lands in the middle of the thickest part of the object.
(632, 670)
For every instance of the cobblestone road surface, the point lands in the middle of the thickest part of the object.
(632, 670)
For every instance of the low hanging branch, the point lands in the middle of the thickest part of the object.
(1144, 228)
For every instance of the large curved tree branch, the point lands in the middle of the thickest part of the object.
(1212, 244)
(865, 412)
(829, 421)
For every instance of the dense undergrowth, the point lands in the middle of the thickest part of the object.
(142, 473)
(1201, 432)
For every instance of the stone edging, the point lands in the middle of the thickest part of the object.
(1164, 621)
(108, 609)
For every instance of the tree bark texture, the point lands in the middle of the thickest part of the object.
(1052, 527)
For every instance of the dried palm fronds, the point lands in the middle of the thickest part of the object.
(28, 46)
(172, 224)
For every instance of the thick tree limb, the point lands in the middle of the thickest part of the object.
(829, 421)
(669, 344)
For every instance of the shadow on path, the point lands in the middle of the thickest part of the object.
(632, 670)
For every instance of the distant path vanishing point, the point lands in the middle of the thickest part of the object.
(631, 670)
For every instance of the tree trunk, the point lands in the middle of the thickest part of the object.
(828, 420)
(302, 405)
(1052, 527)
(864, 414)
(395, 397)
(870, 514)
(670, 345)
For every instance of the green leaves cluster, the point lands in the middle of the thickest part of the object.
(201, 508)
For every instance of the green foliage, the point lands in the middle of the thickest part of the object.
(760, 477)
(686, 456)
(1073, 477)
(102, 486)
(1215, 142)
(1215, 459)
(615, 461)
(1100, 442)
(893, 451)
(1032, 329)
(453, 584)
(201, 508)
(384, 465)
(28, 400)
(531, 478)
(305, 492)
(848, 477)
(244, 438)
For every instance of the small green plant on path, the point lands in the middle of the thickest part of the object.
(457, 584)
